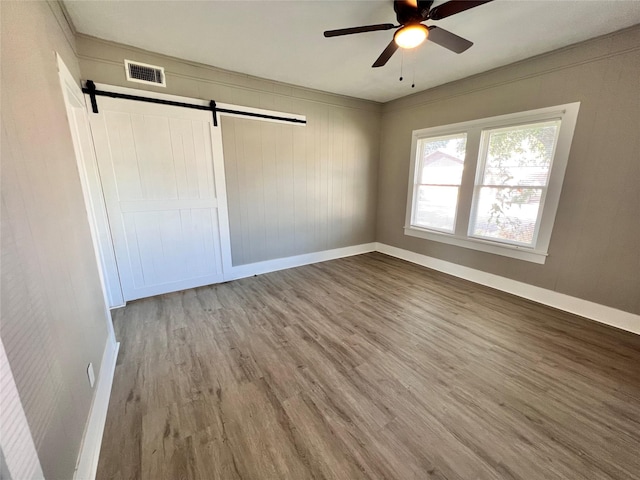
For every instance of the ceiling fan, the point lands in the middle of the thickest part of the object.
(410, 15)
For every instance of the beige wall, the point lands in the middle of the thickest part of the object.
(52, 308)
(291, 189)
(595, 247)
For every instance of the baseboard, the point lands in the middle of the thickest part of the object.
(593, 311)
(90, 451)
(250, 269)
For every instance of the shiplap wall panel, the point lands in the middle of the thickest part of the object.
(295, 190)
(291, 190)
(52, 308)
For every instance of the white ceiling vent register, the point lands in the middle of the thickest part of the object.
(144, 73)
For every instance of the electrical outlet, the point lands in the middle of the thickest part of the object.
(92, 377)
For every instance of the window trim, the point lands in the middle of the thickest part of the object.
(537, 253)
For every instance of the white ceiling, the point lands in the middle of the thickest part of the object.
(282, 40)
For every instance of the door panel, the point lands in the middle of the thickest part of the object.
(156, 166)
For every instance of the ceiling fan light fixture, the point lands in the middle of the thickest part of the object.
(410, 36)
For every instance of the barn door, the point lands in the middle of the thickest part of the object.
(156, 168)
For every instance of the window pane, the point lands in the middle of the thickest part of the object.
(436, 207)
(507, 213)
(442, 159)
(520, 155)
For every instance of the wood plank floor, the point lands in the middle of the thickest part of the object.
(368, 367)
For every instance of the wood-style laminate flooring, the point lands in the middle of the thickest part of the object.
(368, 367)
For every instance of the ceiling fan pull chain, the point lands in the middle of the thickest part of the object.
(413, 82)
(401, 64)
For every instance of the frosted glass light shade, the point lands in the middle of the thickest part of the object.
(411, 36)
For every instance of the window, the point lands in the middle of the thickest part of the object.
(514, 168)
(440, 173)
(492, 184)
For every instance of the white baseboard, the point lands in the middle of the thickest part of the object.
(250, 269)
(594, 311)
(90, 451)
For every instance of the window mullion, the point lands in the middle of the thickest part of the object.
(507, 219)
(413, 181)
(465, 194)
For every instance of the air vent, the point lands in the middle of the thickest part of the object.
(143, 73)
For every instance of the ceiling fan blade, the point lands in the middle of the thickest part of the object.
(448, 40)
(386, 54)
(352, 30)
(454, 6)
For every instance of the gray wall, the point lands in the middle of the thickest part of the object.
(595, 247)
(291, 189)
(52, 308)
(313, 188)
(295, 190)
(4, 470)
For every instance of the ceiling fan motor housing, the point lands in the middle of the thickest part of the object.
(406, 11)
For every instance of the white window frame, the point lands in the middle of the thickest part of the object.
(538, 251)
(418, 183)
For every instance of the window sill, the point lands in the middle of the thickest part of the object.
(513, 251)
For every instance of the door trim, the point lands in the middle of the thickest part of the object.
(89, 176)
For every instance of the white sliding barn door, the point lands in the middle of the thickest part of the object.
(156, 168)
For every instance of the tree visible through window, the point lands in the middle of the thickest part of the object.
(515, 163)
(491, 184)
